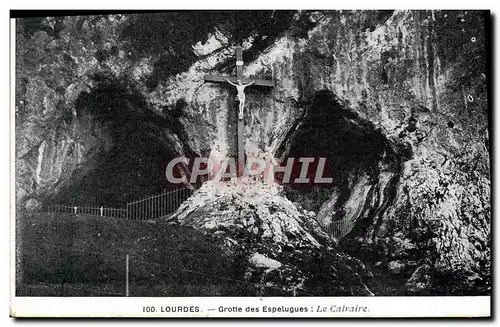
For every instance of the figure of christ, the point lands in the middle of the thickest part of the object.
(241, 95)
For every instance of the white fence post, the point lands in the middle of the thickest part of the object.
(102, 210)
(126, 274)
(76, 208)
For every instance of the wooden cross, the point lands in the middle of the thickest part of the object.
(241, 123)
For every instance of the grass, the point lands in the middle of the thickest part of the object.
(82, 255)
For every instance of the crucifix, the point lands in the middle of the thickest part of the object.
(240, 83)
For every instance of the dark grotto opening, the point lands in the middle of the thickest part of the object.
(363, 163)
(365, 166)
(126, 147)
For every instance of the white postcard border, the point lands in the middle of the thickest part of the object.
(268, 307)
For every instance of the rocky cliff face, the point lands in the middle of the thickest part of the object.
(396, 102)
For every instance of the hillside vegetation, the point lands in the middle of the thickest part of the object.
(77, 255)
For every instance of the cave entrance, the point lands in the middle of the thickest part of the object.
(126, 147)
(363, 163)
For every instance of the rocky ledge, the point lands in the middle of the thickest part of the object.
(278, 245)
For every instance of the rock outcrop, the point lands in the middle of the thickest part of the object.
(278, 244)
(420, 281)
(399, 100)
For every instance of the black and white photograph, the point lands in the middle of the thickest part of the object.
(295, 157)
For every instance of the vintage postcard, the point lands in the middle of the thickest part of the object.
(251, 163)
